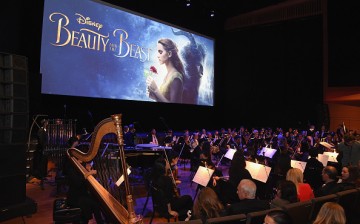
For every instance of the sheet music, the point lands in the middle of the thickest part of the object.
(298, 164)
(323, 159)
(258, 171)
(332, 156)
(230, 153)
(327, 145)
(121, 179)
(267, 152)
(203, 176)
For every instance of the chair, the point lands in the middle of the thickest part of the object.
(239, 218)
(157, 196)
(348, 199)
(64, 214)
(318, 202)
(299, 211)
(258, 217)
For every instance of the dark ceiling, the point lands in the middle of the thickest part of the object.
(195, 17)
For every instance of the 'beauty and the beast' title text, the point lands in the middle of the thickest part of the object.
(94, 40)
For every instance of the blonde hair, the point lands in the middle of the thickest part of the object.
(330, 213)
(295, 175)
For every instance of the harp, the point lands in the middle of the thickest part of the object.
(113, 209)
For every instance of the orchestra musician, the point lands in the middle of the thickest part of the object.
(254, 144)
(170, 138)
(175, 204)
(217, 179)
(183, 147)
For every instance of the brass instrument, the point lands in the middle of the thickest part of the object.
(113, 208)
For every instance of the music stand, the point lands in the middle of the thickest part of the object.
(203, 176)
(121, 179)
(230, 153)
(332, 156)
(298, 164)
(323, 159)
(267, 152)
(258, 171)
(327, 145)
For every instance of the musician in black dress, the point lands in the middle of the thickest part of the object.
(171, 202)
(78, 195)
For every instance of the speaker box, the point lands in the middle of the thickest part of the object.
(13, 189)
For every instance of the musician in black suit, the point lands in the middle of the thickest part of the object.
(40, 158)
(152, 137)
(248, 202)
(129, 136)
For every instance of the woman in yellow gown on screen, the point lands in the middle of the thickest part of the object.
(171, 90)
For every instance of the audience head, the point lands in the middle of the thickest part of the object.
(313, 152)
(350, 174)
(286, 190)
(207, 203)
(329, 174)
(246, 189)
(295, 175)
(277, 217)
(329, 213)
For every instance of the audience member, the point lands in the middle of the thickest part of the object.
(248, 202)
(330, 213)
(330, 186)
(278, 217)
(207, 205)
(350, 178)
(304, 190)
(313, 170)
(286, 193)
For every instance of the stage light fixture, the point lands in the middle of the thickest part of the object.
(212, 13)
(188, 3)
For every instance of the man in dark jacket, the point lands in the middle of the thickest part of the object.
(248, 202)
(330, 186)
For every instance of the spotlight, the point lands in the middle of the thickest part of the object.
(212, 13)
(188, 3)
